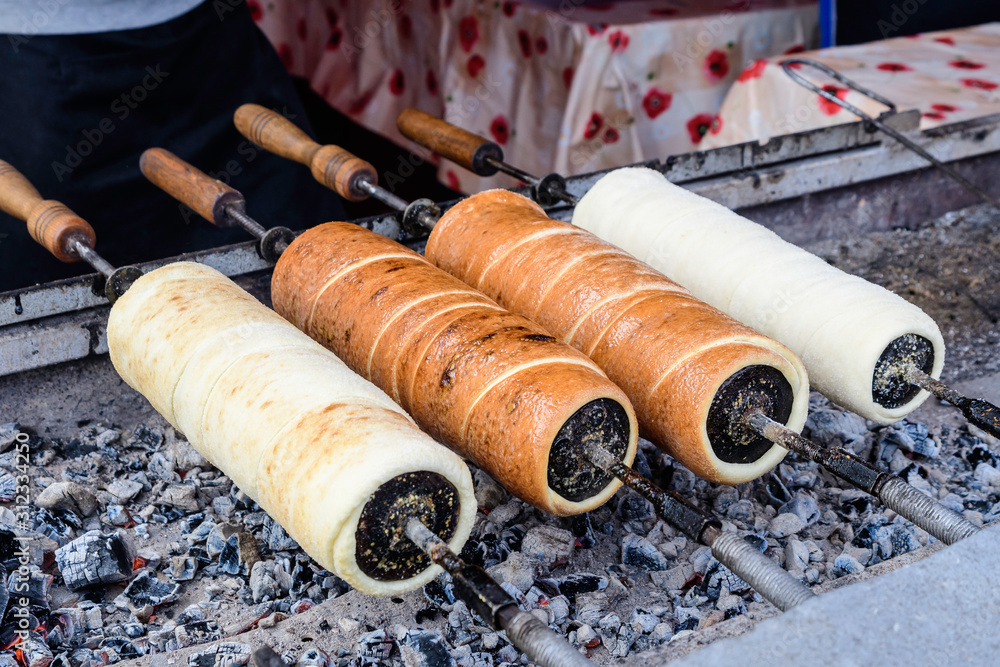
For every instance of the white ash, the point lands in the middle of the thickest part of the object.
(209, 564)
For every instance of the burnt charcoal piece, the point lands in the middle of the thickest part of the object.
(35, 652)
(10, 549)
(903, 541)
(634, 507)
(94, 559)
(425, 615)
(239, 554)
(513, 537)
(975, 451)
(8, 487)
(200, 555)
(486, 552)
(147, 591)
(122, 646)
(772, 491)
(226, 654)
(197, 632)
(639, 552)
(68, 496)
(58, 525)
(33, 585)
(124, 490)
(426, 649)
(852, 509)
(719, 576)
(183, 568)
(438, 594)
(313, 658)
(216, 540)
(146, 438)
(8, 432)
(584, 530)
(581, 582)
(276, 538)
(758, 542)
(690, 623)
(375, 648)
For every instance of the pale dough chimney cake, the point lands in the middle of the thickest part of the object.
(322, 450)
(839, 325)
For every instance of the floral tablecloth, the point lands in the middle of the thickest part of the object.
(562, 85)
(949, 76)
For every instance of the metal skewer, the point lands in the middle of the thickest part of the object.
(495, 605)
(59, 230)
(478, 154)
(786, 65)
(762, 574)
(979, 412)
(893, 492)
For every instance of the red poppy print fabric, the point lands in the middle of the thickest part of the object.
(948, 77)
(592, 89)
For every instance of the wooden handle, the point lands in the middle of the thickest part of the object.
(460, 146)
(275, 133)
(332, 166)
(205, 195)
(342, 171)
(49, 222)
(17, 195)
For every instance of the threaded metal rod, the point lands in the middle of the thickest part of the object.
(495, 605)
(921, 510)
(537, 640)
(935, 518)
(763, 575)
(246, 222)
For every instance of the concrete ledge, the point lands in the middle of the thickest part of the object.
(942, 610)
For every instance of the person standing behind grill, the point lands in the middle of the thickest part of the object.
(87, 85)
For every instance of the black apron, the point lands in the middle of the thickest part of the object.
(77, 111)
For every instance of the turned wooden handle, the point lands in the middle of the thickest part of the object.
(17, 195)
(191, 186)
(332, 166)
(275, 133)
(50, 223)
(460, 146)
(342, 171)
